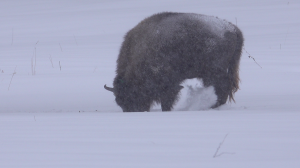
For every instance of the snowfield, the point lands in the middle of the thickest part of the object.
(151, 139)
(56, 56)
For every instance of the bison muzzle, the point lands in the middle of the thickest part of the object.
(163, 50)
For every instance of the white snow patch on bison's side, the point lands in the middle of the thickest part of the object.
(194, 96)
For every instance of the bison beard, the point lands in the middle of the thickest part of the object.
(165, 49)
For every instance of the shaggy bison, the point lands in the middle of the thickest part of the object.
(167, 48)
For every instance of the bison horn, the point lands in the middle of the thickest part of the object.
(109, 88)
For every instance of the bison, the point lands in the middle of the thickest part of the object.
(164, 49)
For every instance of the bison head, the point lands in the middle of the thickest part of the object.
(129, 97)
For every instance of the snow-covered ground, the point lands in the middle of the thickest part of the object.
(55, 57)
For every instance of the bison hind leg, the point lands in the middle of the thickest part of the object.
(169, 96)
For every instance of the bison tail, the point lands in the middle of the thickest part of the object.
(233, 70)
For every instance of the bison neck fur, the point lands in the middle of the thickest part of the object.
(167, 48)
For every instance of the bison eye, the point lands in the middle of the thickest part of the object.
(121, 81)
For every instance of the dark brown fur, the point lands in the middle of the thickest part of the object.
(167, 48)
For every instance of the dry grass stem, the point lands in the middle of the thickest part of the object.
(50, 58)
(12, 36)
(60, 48)
(251, 57)
(220, 145)
(12, 77)
(95, 69)
(33, 60)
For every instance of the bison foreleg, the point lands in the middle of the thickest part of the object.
(168, 97)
